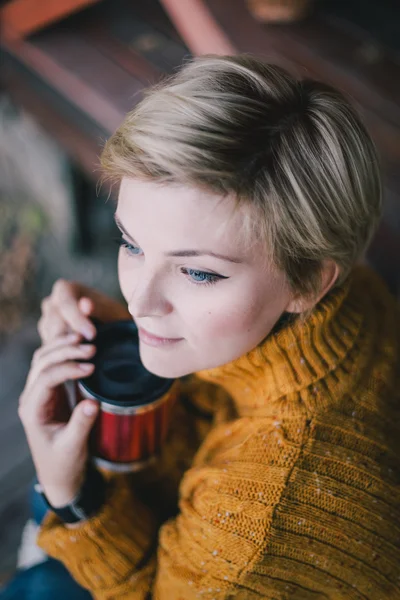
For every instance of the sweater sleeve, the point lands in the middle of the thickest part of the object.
(227, 501)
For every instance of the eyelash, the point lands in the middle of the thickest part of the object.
(210, 278)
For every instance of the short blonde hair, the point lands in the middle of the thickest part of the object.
(294, 150)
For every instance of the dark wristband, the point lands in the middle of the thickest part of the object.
(86, 503)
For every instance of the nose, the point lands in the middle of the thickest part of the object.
(147, 298)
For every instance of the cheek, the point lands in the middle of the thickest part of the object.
(232, 319)
(224, 317)
(236, 315)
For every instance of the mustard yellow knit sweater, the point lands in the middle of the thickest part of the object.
(282, 481)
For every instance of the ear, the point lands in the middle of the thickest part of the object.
(329, 274)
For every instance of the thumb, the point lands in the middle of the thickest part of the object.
(81, 422)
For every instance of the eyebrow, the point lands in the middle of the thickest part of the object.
(184, 253)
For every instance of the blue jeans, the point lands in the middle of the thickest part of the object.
(49, 580)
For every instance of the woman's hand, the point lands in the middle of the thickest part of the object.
(69, 307)
(59, 446)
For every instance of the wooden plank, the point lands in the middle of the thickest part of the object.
(373, 81)
(23, 17)
(76, 90)
(106, 79)
(132, 62)
(152, 12)
(197, 27)
(141, 34)
(378, 22)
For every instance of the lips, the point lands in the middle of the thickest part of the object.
(151, 337)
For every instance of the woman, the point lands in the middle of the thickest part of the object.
(246, 199)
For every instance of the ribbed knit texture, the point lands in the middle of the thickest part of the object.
(286, 466)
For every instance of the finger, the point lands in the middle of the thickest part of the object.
(59, 355)
(35, 396)
(105, 308)
(86, 305)
(77, 430)
(70, 339)
(66, 296)
(64, 340)
(51, 325)
(50, 348)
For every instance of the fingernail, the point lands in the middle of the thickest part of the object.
(86, 366)
(88, 332)
(72, 337)
(89, 409)
(86, 348)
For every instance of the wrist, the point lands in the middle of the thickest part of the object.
(88, 500)
(59, 496)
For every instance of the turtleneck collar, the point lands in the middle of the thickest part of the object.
(290, 363)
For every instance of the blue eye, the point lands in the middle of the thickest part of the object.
(134, 250)
(201, 277)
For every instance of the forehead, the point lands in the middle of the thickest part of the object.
(180, 215)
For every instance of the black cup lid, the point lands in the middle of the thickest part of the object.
(119, 376)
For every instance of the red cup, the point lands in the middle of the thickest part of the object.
(135, 405)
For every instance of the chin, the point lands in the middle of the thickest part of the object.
(162, 366)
